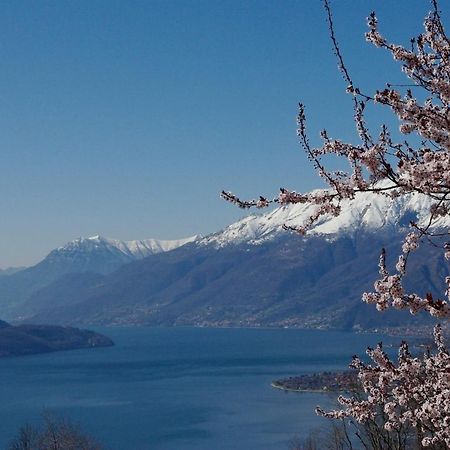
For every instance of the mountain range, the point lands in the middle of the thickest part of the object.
(252, 273)
(102, 255)
(95, 255)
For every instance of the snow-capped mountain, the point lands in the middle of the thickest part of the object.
(128, 249)
(103, 255)
(252, 273)
(366, 212)
(94, 255)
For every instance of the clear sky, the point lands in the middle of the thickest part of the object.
(127, 118)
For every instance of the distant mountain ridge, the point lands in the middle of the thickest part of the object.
(252, 273)
(10, 271)
(103, 255)
(136, 248)
(96, 255)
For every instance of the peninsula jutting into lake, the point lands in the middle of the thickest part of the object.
(30, 339)
(319, 382)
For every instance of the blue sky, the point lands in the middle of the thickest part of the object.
(127, 118)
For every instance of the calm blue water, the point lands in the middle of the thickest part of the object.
(179, 388)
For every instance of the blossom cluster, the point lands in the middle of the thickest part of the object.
(407, 392)
(389, 290)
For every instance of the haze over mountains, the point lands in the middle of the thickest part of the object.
(252, 273)
(10, 270)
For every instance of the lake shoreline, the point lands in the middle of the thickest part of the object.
(285, 389)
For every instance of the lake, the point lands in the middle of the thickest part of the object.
(179, 388)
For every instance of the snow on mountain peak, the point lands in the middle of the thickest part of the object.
(137, 249)
(366, 211)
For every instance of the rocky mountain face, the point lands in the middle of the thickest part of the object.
(253, 273)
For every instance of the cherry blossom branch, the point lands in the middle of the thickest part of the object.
(414, 391)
